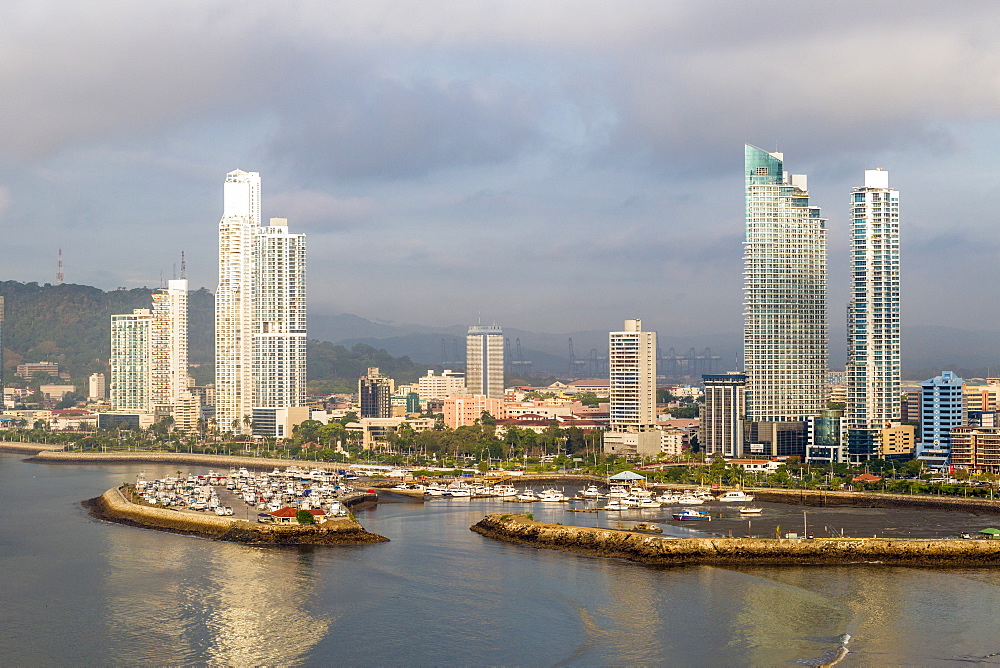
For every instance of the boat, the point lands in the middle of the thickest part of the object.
(735, 495)
(552, 494)
(527, 496)
(646, 527)
(667, 499)
(751, 510)
(591, 492)
(615, 504)
(689, 499)
(689, 514)
(505, 491)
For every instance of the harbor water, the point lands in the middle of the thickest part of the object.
(78, 591)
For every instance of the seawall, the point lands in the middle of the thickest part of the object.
(254, 463)
(114, 507)
(810, 497)
(27, 448)
(654, 549)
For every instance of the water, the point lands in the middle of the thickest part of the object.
(77, 591)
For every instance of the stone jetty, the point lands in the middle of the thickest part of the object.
(661, 550)
(113, 506)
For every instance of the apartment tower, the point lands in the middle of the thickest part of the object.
(873, 354)
(785, 329)
(632, 369)
(484, 361)
(131, 361)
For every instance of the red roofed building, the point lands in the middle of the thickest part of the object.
(287, 515)
(866, 477)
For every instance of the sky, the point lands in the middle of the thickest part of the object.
(550, 166)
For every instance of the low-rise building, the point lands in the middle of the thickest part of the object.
(56, 392)
(465, 409)
(976, 449)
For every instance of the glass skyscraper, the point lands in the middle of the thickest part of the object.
(873, 358)
(785, 329)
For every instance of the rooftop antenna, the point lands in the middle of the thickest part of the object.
(184, 272)
(59, 270)
(174, 265)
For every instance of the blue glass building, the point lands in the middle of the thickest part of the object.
(942, 408)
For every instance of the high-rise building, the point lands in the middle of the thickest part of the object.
(279, 339)
(873, 355)
(942, 408)
(260, 309)
(97, 387)
(234, 303)
(721, 430)
(131, 361)
(375, 394)
(2, 307)
(785, 329)
(169, 344)
(632, 428)
(484, 361)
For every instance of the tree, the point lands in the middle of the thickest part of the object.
(305, 517)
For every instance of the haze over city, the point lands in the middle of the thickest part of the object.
(552, 167)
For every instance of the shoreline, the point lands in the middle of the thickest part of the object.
(112, 506)
(657, 550)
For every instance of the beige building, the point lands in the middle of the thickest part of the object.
(56, 392)
(976, 449)
(632, 366)
(448, 383)
(897, 441)
(484, 361)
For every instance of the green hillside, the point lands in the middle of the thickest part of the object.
(71, 324)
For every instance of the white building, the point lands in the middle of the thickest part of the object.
(873, 356)
(234, 305)
(279, 340)
(97, 389)
(484, 361)
(632, 367)
(169, 344)
(438, 387)
(131, 368)
(260, 309)
(785, 329)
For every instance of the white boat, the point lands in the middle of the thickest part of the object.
(617, 492)
(689, 499)
(552, 494)
(615, 504)
(505, 491)
(591, 492)
(527, 496)
(667, 499)
(751, 510)
(736, 496)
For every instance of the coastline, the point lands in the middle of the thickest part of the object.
(657, 550)
(27, 448)
(112, 506)
(259, 463)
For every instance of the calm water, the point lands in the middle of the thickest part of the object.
(76, 591)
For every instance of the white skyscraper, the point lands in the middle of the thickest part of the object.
(785, 329)
(873, 361)
(632, 368)
(169, 344)
(279, 340)
(484, 361)
(260, 309)
(234, 300)
(131, 361)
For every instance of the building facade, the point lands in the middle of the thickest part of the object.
(97, 389)
(375, 394)
(169, 345)
(942, 408)
(432, 386)
(234, 303)
(279, 340)
(785, 327)
(632, 428)
(873, 355)
(484, 360)
(721, 430)
(976, 449)
(131, 368)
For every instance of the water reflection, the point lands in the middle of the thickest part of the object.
(174, 599)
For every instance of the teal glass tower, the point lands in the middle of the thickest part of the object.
(784, 294)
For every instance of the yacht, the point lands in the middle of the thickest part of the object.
(552, 494)
(615, 504)
(688, 499)
(527, 496)
(667, 499)
(505, 491)
(736, 496)
(591, 492)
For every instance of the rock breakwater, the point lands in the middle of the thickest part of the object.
(735, 551)
(114, 507)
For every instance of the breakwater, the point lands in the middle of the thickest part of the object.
(113, 506)
(27, 448)
(821, 498)
(649, 549)
(253, 463)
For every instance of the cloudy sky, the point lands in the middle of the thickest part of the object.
(554, 166)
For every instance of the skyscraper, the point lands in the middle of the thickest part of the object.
(873, 353)
(632, 369)
(375, 394)
(234, 300)
(785, 331)
(942, 408)
(260, 309)
(131, 361)
(484, 361)
(721, 429)
(279, 339)
(169, 344)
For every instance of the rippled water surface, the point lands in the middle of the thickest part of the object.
(76, 591)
